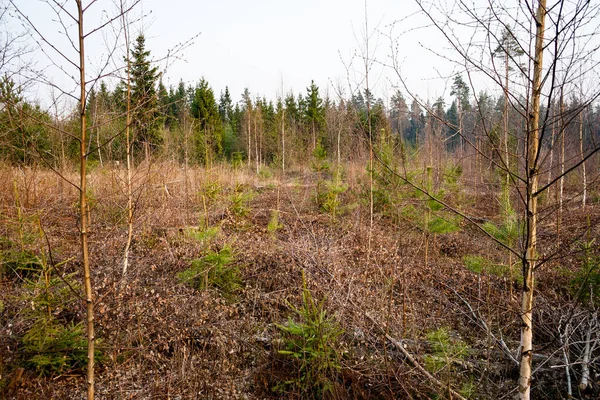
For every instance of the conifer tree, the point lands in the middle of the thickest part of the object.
(314, 111)
(209, 134)
(145, 121)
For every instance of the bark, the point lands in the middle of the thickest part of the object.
(585, 364)
(584, 177)
(283, 141)
(562, 161)
(529, 261)
(506, 153)
(83, 215)
(128, 151)
(256, 145)
(552, 140)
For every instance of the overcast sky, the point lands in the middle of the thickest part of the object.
(267, 45)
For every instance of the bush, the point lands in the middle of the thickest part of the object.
(53, 344)
(239, 203)
(20, 264)
(53, 348)
(213, 270)
(311, 342)
(274, 224)
(446, 351)
(478, 265)
(586, 280)
(202, 236)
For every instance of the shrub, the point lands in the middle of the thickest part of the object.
(53, 344)
(213, 270)
(239, 203)
(274, 224)
(202, 236)
(445, 350)
(586, 280)
(265, 172)
(20, 264)
(478, 265)
(51, 347)
(311, 342)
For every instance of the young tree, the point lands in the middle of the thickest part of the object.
(461, 90)
(508, 50)
(75, 68)
(555, 39)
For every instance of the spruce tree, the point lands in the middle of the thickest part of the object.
(145, 121)
(209, 134)
(314, 111)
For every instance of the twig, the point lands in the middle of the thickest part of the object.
(398, 344)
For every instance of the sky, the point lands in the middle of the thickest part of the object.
(267, 46)
(264, 45)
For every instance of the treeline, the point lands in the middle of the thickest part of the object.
(190, 124)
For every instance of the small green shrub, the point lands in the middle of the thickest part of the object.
(328, 196)
(451, 176)
(274, 224)
(311, 342)
(204, 235)
(20, 264)
(213, 270)
(468, 389)
(51, 347)
(478, 265)
(239, 203)
(237, 159)
(211, 190)
(445, 350)
(506, 233)
(443, 226)
(53, 344)
(265, 172)
(586, 280)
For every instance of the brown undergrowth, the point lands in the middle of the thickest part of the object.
(164, 338)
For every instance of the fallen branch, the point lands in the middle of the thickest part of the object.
(481, 322)
(398, 344)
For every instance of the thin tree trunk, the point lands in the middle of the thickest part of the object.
(249, 134)
(283, 141)
(99, 148)
(129, 188)
(562, 161)
(585, 365)
(256, 145)
(529, 259)
(83, 220)
(583, 177)
(506, 191)
(552, 140)
(370, 131)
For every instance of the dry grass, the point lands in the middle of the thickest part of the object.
(163, 339)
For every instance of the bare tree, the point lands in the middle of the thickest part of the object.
(556, 40)
(71, 18)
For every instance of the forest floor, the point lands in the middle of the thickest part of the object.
(389, 302)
